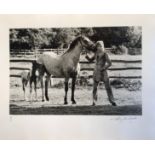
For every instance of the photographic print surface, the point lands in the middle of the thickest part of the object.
(113, 95)
(76, 70)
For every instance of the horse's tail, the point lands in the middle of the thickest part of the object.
(34, 68)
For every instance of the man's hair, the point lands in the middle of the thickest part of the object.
(101, 43)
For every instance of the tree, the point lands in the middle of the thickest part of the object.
(129, 36)
(61, 37)
(134, 34)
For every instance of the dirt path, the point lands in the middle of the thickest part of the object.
(129, 103)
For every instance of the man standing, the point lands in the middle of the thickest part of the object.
(102, 63)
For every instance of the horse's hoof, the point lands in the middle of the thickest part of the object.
(47, 99)
(43, 100)
(93, 104)
(114, 104)
(73, 102)
(65, 103)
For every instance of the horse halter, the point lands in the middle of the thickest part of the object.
(92, 46)
(83, 47)
(81, 43)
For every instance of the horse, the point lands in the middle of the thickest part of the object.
(63, 66)
(25, 77)
(30, 76)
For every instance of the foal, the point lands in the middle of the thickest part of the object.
(30, 77)
(25, 77)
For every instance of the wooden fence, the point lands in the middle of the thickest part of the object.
(24, 53)
(124, 66)
(34, 53)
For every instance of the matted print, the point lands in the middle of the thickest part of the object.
(77, 76)
(76, 70)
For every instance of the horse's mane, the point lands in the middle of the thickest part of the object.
(73, 44)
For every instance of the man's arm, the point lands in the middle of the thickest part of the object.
(90, 59)
(108, 62)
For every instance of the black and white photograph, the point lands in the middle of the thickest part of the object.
(77, 77)
(95, 70)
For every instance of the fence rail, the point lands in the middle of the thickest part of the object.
(23, 52)
(20, 52)
(83, 69)
(122, 65)
(82, 62)
(111, 77)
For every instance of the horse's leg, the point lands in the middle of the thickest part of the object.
(46, 87)
(42, 87)
(35, 88)
(66, 90)
(30, 90)
(51, 82)
(73, 89)
(23, 84)
(95, 84)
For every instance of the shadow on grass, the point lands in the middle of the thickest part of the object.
(77, 110)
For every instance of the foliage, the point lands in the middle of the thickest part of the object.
(131, 85)
(129, 36)
(61, 37)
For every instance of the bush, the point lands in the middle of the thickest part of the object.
(135, 51)
(131, 85)
(121, 49)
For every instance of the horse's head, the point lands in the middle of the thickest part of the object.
(83, 42)
(87, 43)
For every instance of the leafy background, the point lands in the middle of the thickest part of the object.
(31, 38)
